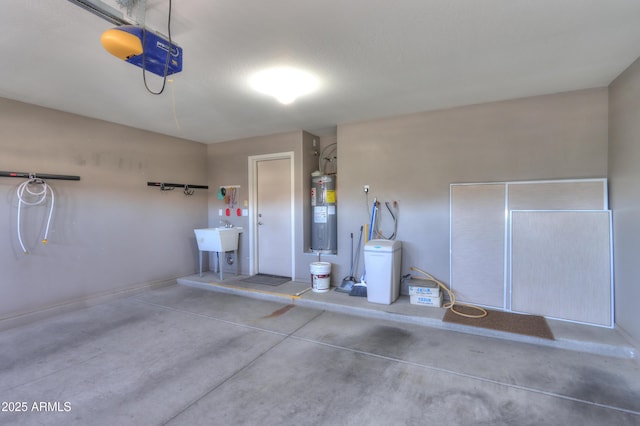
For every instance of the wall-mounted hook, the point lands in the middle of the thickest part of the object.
(187, 189)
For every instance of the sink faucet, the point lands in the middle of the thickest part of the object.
(226, 223)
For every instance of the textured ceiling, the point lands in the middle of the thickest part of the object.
(375, 58)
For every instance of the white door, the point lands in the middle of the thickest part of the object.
(274, 220)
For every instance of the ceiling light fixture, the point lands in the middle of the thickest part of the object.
(285, 84)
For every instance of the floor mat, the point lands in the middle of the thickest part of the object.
(530, 325)
(272, 280)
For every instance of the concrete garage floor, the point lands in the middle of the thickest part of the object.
(182, 355)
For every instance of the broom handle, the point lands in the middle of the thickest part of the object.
(357, 257)
(351, 258)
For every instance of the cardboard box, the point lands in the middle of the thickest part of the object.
(424, 290)
(409, 281)
(426, 300)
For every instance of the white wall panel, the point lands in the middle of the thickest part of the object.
(561, 265)
(478, 243)
(506, 260)
(583, 194)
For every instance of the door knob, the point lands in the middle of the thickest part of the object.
(259, 223)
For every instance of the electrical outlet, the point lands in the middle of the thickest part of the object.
(366, 189)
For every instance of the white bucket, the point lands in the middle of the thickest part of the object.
(320, 276)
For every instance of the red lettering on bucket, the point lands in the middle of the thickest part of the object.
(320, 282)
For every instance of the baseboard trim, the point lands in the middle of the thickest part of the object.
(24, 318)
(630, 338)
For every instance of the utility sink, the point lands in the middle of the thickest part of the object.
(219, 240)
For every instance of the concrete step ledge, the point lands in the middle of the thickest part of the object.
(568, 336)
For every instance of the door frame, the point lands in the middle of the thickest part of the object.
(253, 213)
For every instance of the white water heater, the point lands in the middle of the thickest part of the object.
(324, 218)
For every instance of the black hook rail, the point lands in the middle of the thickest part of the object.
(43, 176)
(176, 185)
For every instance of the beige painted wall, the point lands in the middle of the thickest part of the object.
(110, 232)
(414, 158)
(624, 191)
(228, 165)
